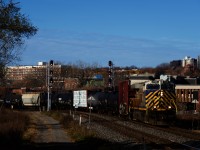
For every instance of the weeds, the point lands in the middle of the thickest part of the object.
(84, 136)
(77, 132)
(12, 126)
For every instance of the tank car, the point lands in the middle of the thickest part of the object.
(59, 101)
(152, 102)
(103, 102)
(62, 101)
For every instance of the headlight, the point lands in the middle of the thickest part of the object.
(161, 93)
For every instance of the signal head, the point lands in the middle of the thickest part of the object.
(51, 62)
(110, 63)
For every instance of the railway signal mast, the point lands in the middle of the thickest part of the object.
(49, 82)
(110, 76)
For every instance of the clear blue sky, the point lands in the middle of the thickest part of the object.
(144, 33)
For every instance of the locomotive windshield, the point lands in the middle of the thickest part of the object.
(152, 86)
(167, 86)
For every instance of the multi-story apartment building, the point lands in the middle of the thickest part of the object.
(15, 73)
(40, 71)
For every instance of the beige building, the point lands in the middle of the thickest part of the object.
(185, 93)
(15, 73)
(40, 71)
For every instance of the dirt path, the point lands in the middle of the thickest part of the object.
(47, 134)
(47, 129)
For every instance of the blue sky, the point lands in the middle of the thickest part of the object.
(144, 33)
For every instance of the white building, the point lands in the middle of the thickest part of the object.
(189, 61)
(37, 71)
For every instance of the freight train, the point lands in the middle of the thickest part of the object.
(152, 101)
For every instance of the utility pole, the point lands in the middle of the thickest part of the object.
(49, 83)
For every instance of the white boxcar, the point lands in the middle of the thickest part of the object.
(31, 99)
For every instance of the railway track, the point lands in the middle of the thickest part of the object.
(145, 134)
(190, 134)
(189, 139)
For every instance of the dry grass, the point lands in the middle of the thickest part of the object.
(76, 131)
(83, 135)
(12, 126)
(15, 129)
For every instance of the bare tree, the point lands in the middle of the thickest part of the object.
(15, 27)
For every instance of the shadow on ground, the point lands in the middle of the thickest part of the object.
(91, 143)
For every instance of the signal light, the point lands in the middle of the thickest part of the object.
(110, 80)
(51, 80)
(110, 75)
(51, 72)
(110, 63)
(109, 72)
(51, 62)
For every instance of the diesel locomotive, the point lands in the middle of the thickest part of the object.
(153, 102)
